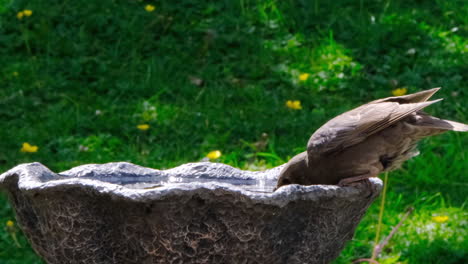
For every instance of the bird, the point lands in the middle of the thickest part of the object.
(362, 143)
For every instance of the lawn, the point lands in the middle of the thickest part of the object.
(78, 77)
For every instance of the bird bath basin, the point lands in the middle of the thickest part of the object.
(195, 213)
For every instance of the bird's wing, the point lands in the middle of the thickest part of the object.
(355, 126)
(418, 97)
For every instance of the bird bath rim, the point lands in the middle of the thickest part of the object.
(35, 177)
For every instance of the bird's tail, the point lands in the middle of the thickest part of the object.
(437, 123)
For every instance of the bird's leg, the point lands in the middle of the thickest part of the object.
(351, 181)
(372, 171)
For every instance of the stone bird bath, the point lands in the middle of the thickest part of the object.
(195, 213)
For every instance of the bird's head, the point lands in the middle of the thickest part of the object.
(284, 179)
(294, 172)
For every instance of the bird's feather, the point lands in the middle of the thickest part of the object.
(356, 125)
(418, 97)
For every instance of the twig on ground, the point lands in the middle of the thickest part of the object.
(378, 248)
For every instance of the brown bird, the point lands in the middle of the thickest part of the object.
(376, 137)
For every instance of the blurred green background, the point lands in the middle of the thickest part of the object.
(77, 78)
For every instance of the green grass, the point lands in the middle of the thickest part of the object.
(86, 73)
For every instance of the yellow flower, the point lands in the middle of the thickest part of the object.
(10, 223)
(15, 73)
(150, 8)
(27, 12)
(20, 15)
(143, 127)
(440, 218)
(304, 76)
(214, 154)
(296, 105)
(29, 148)
(399, 91)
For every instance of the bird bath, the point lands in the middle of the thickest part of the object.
(195, 213)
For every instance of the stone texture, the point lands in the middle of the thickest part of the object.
(195, 213)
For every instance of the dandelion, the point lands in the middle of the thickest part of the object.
(214, 154)
(10, 228)
(150, 8)
(296, 105)
(143, 127)
(28, 148)
(304, 76)
(27, 12)
(399, 91)
(20, 15)
(440, 218)
(15, 74)
(10, 224)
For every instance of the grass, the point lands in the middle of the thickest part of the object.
(77, 77)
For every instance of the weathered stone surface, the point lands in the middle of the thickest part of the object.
(195, 213)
